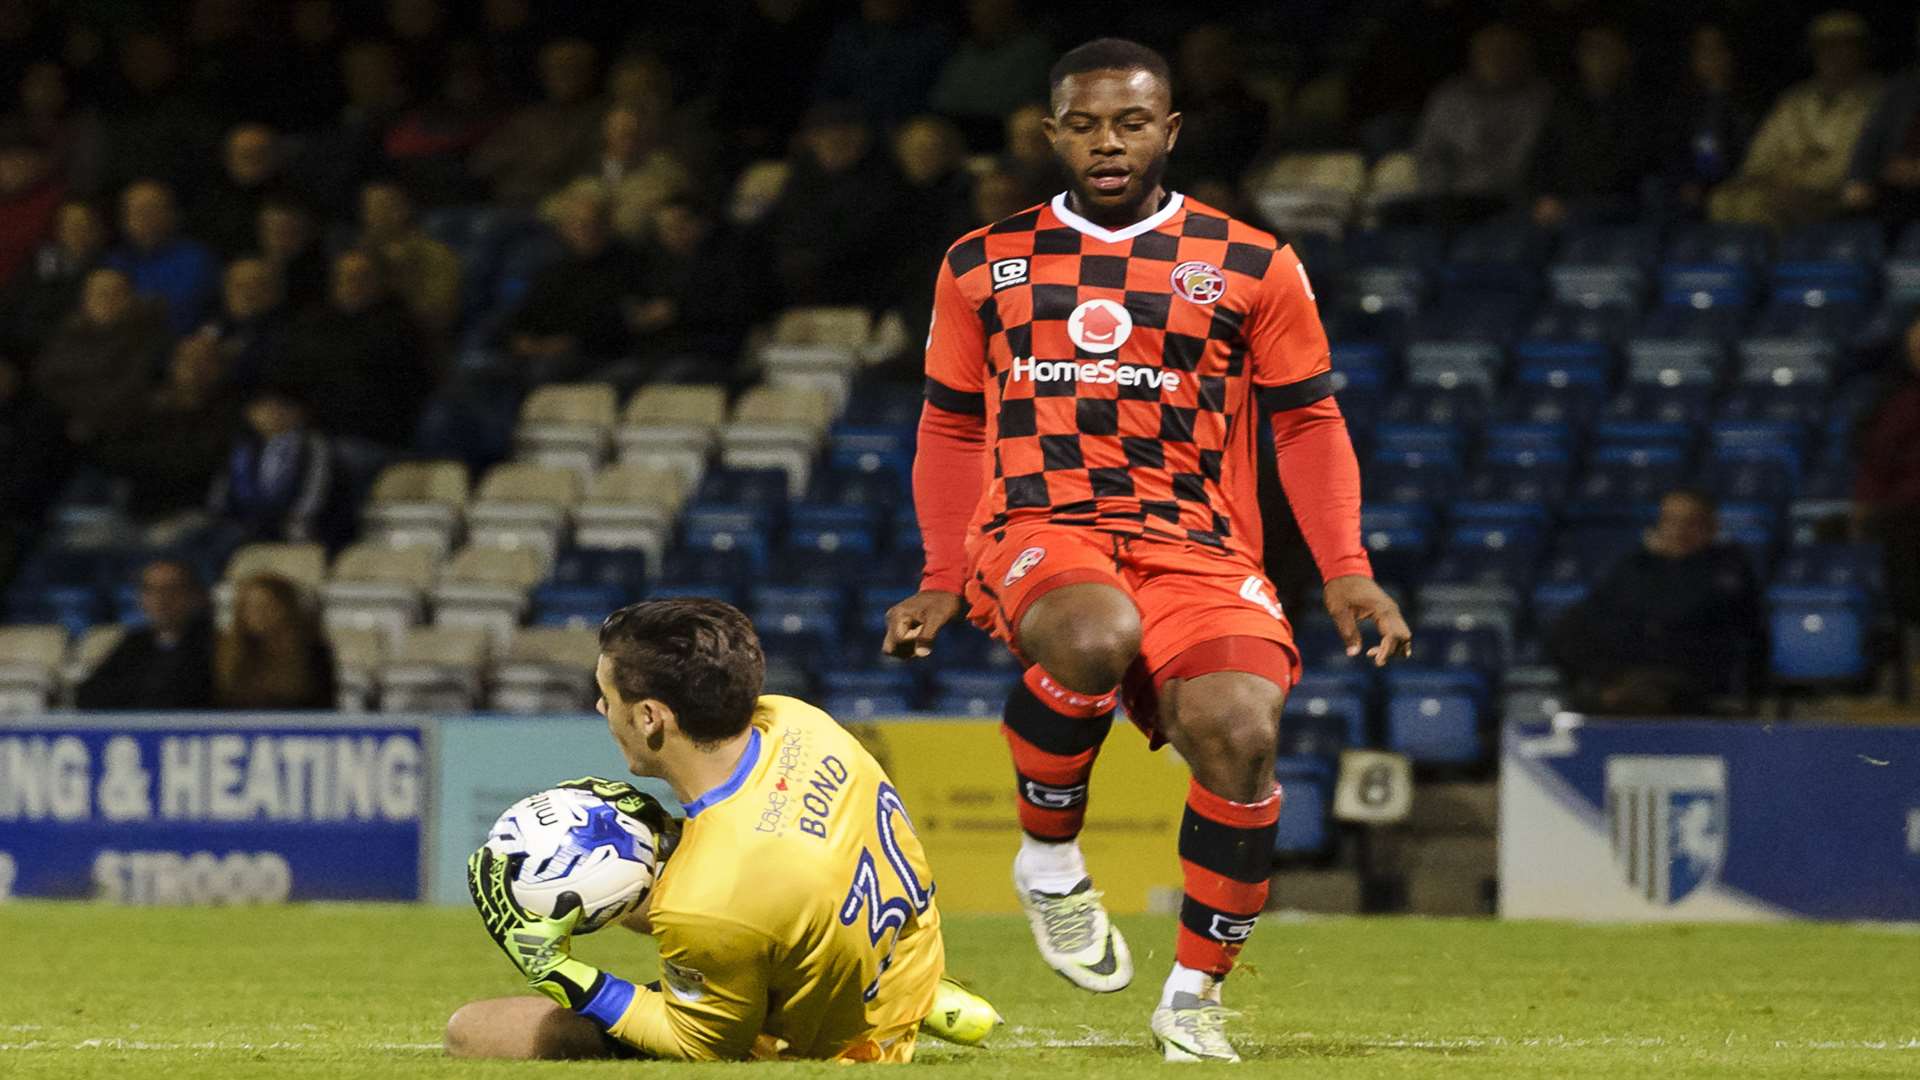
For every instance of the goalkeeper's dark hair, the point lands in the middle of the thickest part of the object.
(1108, 54)
(700, 657)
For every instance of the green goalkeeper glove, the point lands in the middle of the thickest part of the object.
(637, 804)
(539, 947)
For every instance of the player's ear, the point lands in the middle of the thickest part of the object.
(1173, 129)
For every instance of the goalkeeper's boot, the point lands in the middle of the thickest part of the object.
(960, 1016)
(1076, 938)
(1192, 1028)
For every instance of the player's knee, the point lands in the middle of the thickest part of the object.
(1229, 720)
(1084, 636)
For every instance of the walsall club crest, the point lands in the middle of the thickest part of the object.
(1200, 282)
(1668, 819)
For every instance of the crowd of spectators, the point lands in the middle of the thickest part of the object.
(218, 290)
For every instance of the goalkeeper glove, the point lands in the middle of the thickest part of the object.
(540, 947)
(636, 804)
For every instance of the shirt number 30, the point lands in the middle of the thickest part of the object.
(885, 914)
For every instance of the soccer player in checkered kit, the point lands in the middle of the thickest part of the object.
(1085, 486)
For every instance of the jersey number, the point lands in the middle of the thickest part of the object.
(885, 914)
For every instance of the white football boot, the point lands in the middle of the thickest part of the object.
(1192, 1028)
(1075, 936)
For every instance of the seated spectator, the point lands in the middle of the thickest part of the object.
(281, 482)
(934, 208)
(1668, 628)
(166, 664)
(691, 304)
(1885, 170)
(428, 145)
(575, 313)
(884, 61)
(101, 364)
(636, 174)
(1029, 156)
(179, 271)
(996, 195)
(30, 195)
(425, 272)
(1479, 129)
(274, 658)
(641, 83)
(544, 144)
(251, 329)
(1886, 490)
(340, 157)
(1598, 144)
(1798, 161)
(1223, 126)
(158, 128)
(226, 214)
(834, 212)
(1711, 123)
(171, 445)
(72, 136)
(1000, 65)
(288, 242)
(48, 288)
(36, 457)
(357, 364)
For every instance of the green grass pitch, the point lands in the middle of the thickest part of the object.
(361, 991)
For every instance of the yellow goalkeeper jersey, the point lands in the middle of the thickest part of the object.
(796, 918)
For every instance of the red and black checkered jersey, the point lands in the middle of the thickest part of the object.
(1117, 370)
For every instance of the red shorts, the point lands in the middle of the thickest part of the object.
(1201, 610)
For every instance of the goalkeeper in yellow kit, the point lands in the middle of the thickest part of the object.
(795, 915)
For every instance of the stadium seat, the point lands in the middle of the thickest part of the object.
(1398, 554)
(1609, 246)
(378, 588)
(1510, 474)
(1433, 716)
(1307, 784)
(89, 649)
(1818, 635)
(1859, 566)
(30, 662)
(587, 584)
(567, 426)
(434, 669)
(485, 589)
(546, 670)
(1323, 716)
(673, 427)
(1713, 242)
(305, 565)
(522, 505)
(1309, 192)
(417, 504)
(972, 693)
(865, 449)
(630, 507)
(358, 658)
(777, 428)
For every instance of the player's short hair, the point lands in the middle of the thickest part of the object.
(700, 657)
(1108, 54)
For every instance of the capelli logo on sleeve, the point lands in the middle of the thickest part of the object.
(1008, 272)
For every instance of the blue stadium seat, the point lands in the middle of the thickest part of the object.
(1566, 323)
(1818, 635)
(1384, 288)
(1447, 644)
(1398, 555)
(1524, 436)
(1322, 716)
(725, 589)
(697, 563)
(1361, 393)
(882, 489)
(1426, 439)
(1619, 479)
(1653, 403)
(1349, 357)
(856, 695)
(1835, 241)
(1510, 474)
(751, 544)
(886, 402)
(871, 449)
(1433, 715)
(1447, 403)
(1583, 554)
(1630, 434)
(845, 707)
(1838, 566)
(1714, 318)
(1308, 785)
(1713, 242)
(753, 487)
(1578, 380)
(1705, 285)
(972, 693)
(1551, 598)
(1395, 516)
(1415, 246)
(1635, 246)
(1471, 316)
(1787, 317)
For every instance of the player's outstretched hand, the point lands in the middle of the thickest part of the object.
(1354, 599)
(540, 947)
(913, 622)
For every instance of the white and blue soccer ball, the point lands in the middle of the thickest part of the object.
(564, 840)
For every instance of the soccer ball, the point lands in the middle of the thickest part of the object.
(564, 840)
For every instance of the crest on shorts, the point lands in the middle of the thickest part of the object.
(1022, 564)
(1100, 326)
(1200, 282)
